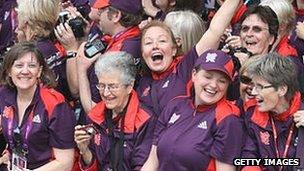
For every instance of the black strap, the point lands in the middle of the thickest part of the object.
(300, 149)
(116, 143)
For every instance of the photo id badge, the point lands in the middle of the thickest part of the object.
(19, 163)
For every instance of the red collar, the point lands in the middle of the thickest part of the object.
(134, 117)
(115, 43)
(249, 103)
(285, 49)
(171, 69)
(261, 118)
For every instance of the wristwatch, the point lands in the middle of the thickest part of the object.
(71, 54)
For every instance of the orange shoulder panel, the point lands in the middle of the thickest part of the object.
(97, 113)
(50, 98)
(225, 108)
(211, 165)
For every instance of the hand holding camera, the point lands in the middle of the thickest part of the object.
(94, 46)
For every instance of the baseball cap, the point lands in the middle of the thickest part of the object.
(216, 60)
(128, 6)
(97, 4)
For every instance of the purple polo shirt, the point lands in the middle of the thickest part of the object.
(6, 31)
(297, 42)
(130, 45)
(138, 135)
(189, 138)
(156, 93)
(260, 137)
(52, 125)
(57, 63)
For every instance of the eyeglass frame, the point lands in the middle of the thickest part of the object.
(112, 87)
(255, 29)
(246, 80)
(259, 88)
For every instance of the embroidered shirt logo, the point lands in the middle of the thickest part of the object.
(211, 57)
(8, 112)
(97, 139)
(37, 119)
(146, 91)
(174, 118)
(296, 141)
(203, 125)
(264, 137)
(166, 84)
(6, 15)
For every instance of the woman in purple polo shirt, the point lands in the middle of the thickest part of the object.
(197, 132)
(169, 72)
(123, 127)
(271, 127)
(36, 121)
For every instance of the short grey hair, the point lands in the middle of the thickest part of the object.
(278, 71)
(119, 61)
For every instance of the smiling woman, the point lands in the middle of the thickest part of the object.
(125, 126)
(195, 132)
(37, 122)
(276, 91)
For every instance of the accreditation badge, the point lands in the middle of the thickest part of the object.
(19, 162)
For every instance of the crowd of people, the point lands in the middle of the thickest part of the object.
(150, 84)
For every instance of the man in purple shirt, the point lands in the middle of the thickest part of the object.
(125, 36)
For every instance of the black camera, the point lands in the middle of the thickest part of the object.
(77, 24)
(94, 46)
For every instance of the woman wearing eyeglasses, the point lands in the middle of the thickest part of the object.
(272, 132)
(36, 121)
(123, 127)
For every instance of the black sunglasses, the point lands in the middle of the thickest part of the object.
(245, 80)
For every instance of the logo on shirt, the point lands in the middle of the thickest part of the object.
(264, 137)
(97, 139)
(202, 125)
(296, 141)
(174, 118)
(8, 112)
(37, 119)
(166, 84)
(211, 57)
(6, 15)
(146, 91)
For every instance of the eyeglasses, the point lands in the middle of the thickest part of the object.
(258, 88)
(111, 87)
(245, 80)
(255, 29)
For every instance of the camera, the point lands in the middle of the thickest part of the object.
(94, 46)
(90, 129)
(77, 24)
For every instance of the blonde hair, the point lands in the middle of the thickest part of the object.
(40, 15)
(284, 11)
(187, 26)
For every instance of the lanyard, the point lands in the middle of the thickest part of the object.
(288, 141)
(28, 128)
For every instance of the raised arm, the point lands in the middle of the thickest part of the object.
(83, 63)
(220, 21)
